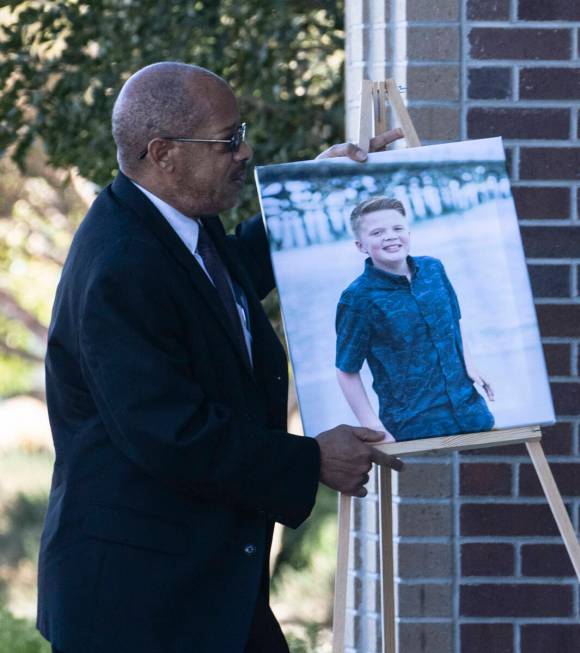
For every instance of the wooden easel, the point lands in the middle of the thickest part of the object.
(374, 98)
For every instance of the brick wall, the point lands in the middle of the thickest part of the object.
(480, 564)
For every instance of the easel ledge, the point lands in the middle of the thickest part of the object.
(464, 441)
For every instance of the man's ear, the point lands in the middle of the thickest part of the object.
(361, 247)
(161, 154)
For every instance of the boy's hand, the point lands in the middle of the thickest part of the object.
(356, 153)
(377, 425)
(346, 458)
(476, 377)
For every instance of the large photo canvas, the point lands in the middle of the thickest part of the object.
(404, 290)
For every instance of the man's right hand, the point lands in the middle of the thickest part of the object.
(346, 458)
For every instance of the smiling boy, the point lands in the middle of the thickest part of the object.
(402, 316)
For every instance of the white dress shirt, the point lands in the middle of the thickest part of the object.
(188, 231)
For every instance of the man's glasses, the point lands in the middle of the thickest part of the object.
(234, 141)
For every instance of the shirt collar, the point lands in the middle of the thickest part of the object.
(186, 228)
(389, 278)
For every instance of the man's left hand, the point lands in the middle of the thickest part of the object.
(356, 153)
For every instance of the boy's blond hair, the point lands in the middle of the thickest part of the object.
(380, 203)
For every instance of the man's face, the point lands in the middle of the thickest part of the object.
(384, 236)
(208, 177)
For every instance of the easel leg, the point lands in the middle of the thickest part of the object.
(387, 561)
(341, 582)
(556, 504)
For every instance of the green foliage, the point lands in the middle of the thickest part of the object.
(39, 212)
(316, 534)
(19, 635)
(20, 538)
(308, 645)
(64, 63)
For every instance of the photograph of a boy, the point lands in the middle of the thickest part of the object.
(402, 316)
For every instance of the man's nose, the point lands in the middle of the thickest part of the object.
(245, 152)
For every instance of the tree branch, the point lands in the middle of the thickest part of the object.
(20, 353)
(13, 309)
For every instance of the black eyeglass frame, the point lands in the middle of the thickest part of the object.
(235, 140)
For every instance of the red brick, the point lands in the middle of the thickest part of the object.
(550, 84)
(518, 123)
(506, 519)
(541, 203)
(557, 439)
(487, 638)
(489, 83)
(488, 9)
(508, 450)
(487, 559)
(567, 476)
(518, 43)
(509, 160)
(550, 280)
(566, 397)
(550, 163)
(485, 479)
(516, 600)
(548, 10)
(559, 320)
(546, 560)
(558, 358)
(550, 638)
(551, 242)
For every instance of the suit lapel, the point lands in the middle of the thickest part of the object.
(148, 214)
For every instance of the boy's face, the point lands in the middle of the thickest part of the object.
(384, 235)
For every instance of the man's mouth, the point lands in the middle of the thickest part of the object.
(239, 177)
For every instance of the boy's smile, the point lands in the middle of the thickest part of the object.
(384, 236)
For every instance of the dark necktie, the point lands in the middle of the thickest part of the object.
(223, 284)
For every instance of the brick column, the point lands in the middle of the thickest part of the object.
(480, 564)
(521, 80)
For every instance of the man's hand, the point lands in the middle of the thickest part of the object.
(346, 458)
(356, 153)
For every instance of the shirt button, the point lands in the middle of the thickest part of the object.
(250, 549)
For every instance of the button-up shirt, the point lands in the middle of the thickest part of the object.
(408, 332)
(188, 231)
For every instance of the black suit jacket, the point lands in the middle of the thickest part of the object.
(172, 460)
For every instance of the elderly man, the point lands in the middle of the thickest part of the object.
(167, 390)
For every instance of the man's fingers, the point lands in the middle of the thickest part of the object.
(349, 150)
(380, 141)
(384, 459)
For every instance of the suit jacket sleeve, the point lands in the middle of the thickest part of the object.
(138, 370)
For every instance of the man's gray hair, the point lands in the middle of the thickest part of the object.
(380, 203)
(154, 103)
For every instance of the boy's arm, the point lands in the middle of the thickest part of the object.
(472, 371)
(357, 398)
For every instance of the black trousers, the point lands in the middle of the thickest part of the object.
(265, 632)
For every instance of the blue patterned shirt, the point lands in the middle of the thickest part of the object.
(408, 332)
